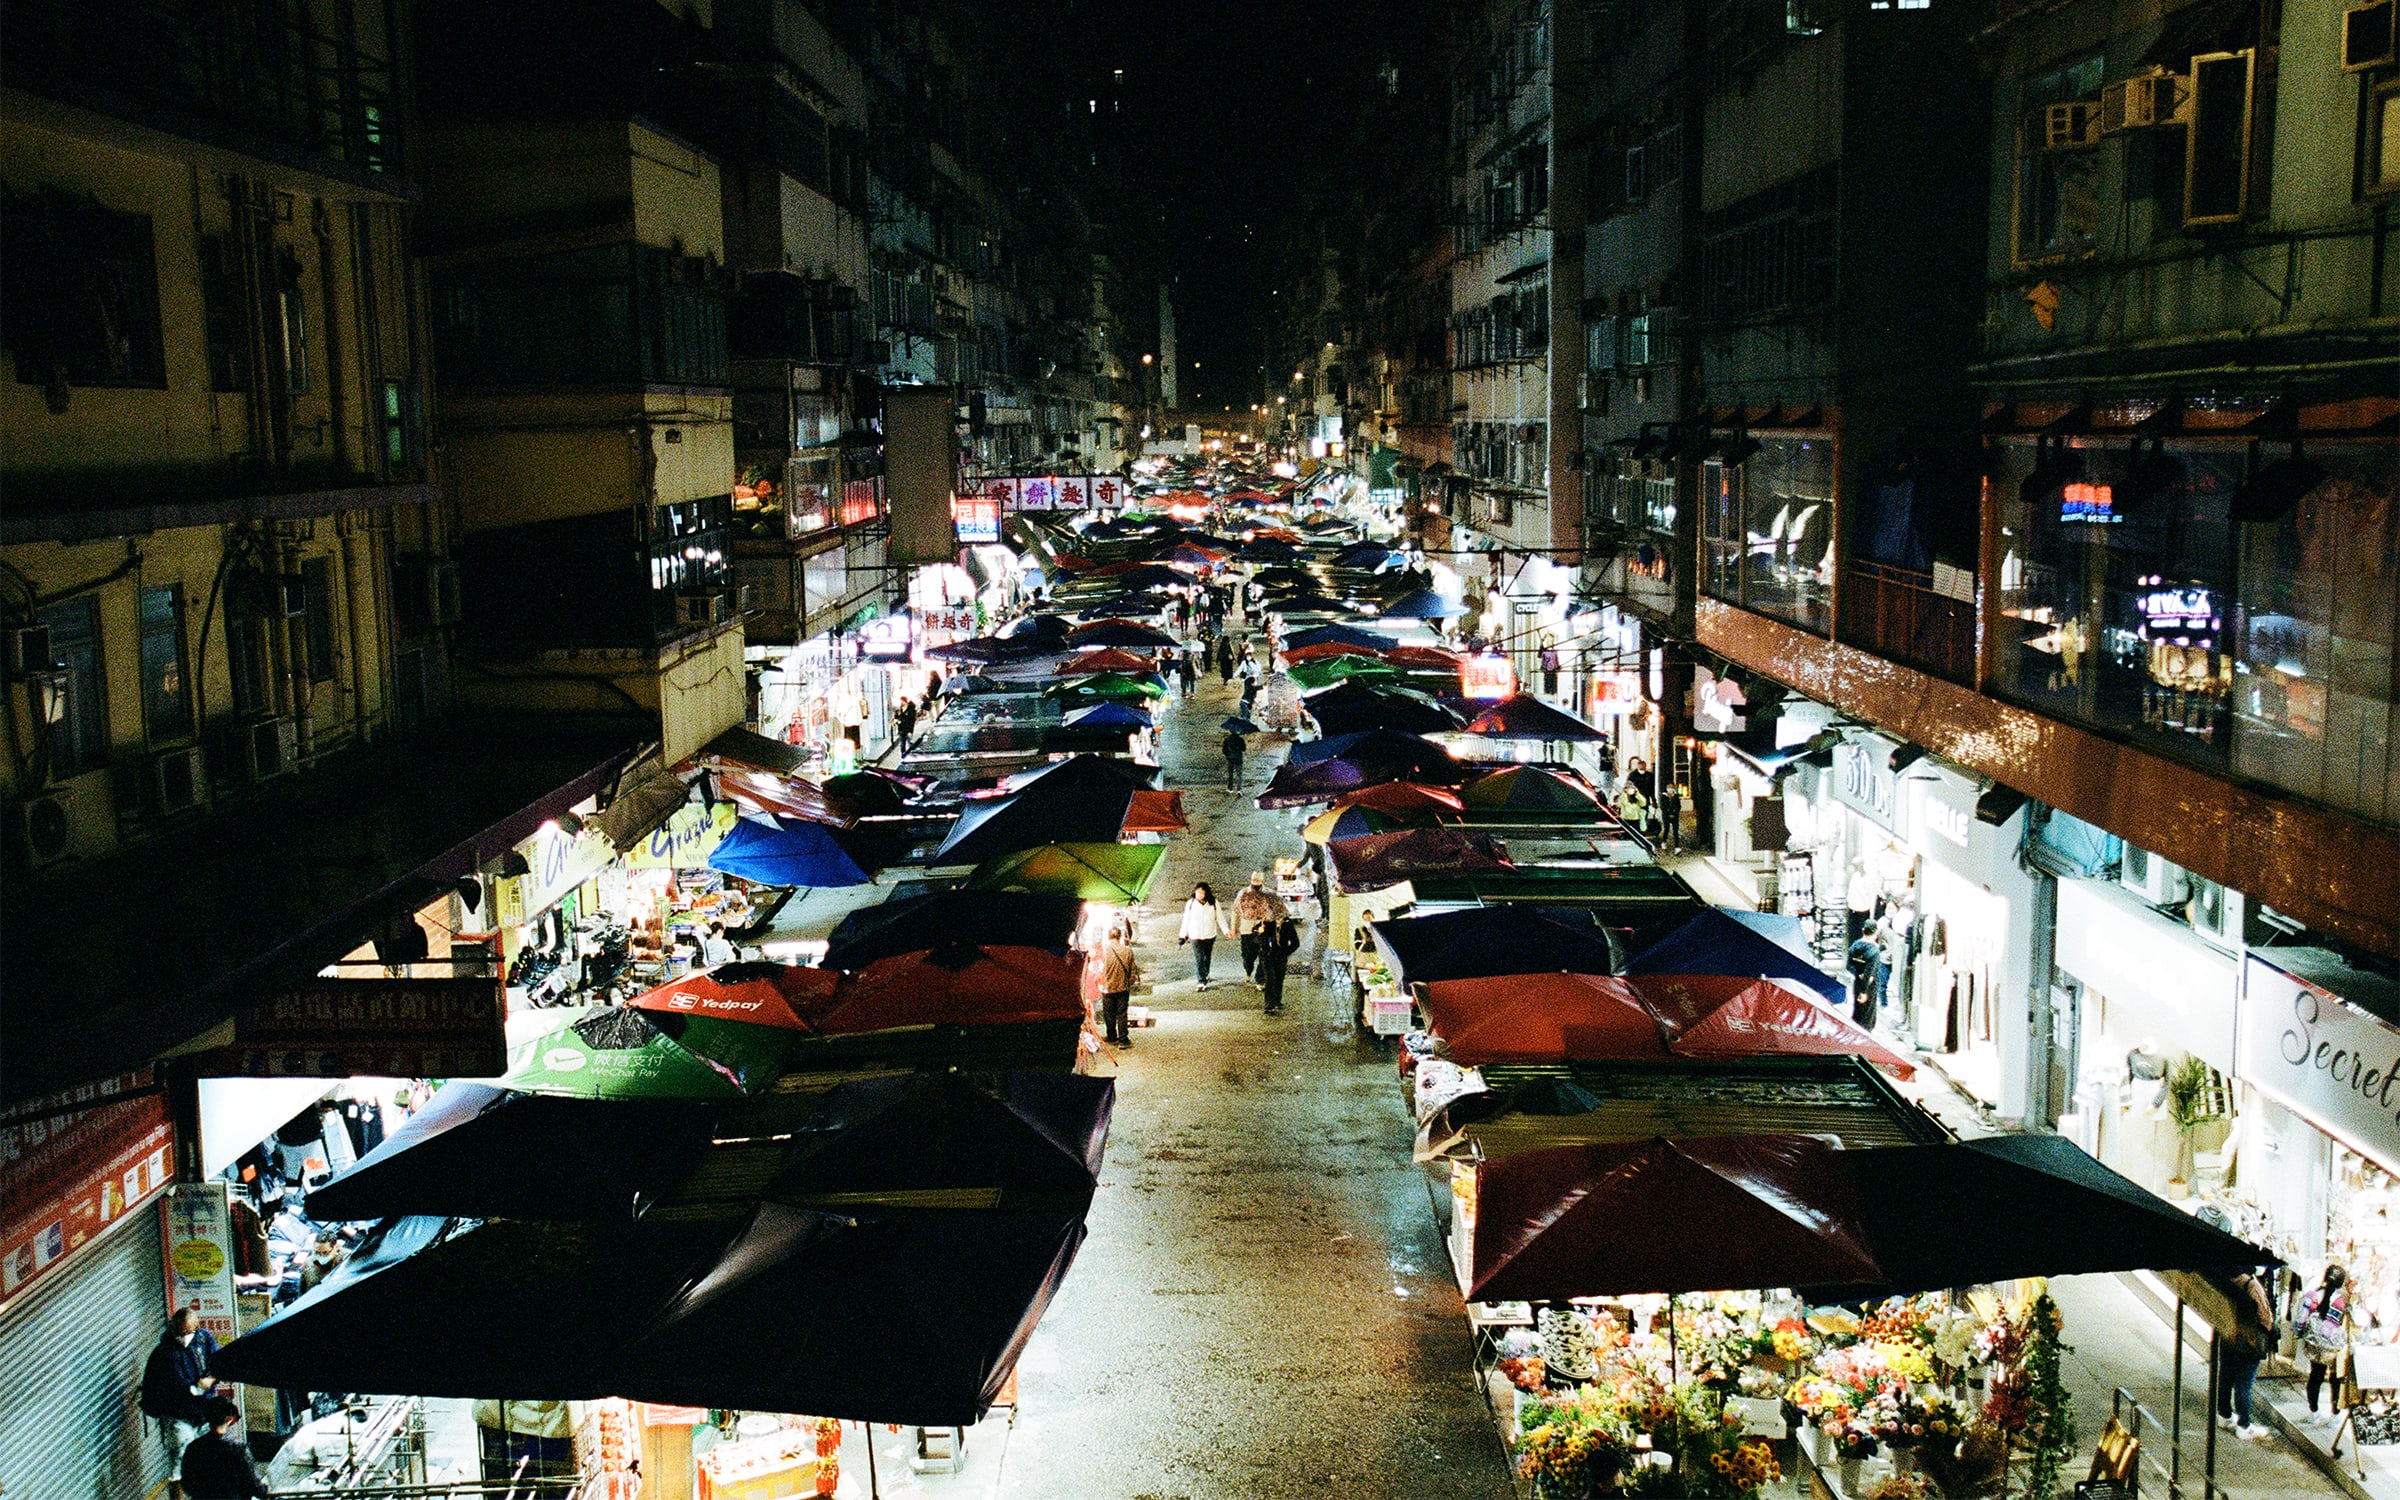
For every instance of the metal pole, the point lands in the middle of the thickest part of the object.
(874, 1489)
(2208, 1477)
(1674, 1352)
(2175, 1434)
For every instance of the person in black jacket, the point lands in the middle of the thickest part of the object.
(1234, 748)
(177, 1387)
(1278, 940)
(217, 1465)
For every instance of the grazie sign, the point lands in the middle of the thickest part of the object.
(2321, 1055)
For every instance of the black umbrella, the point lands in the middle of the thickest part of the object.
(1234, 724)
(1487, 940)
(914, 923)
(1352, 706)
(1060, 809)
(1277, 577)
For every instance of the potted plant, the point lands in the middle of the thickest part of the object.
(2191, 1095)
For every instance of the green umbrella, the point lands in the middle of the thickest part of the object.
(1118, 874)
(602, 1052)
(1326, 671)
(1114, 685)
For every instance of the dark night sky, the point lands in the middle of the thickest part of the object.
(1233, 110)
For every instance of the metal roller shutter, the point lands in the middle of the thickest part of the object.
(71, 1424)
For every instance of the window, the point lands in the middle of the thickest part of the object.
(316, 593)
(79, 734)
(2382, 166)
(1768, 530)
(1771, 252)
(166, 690)
(79, 293)
(221, 316)
(396, 411)
(611, 315)
(2216, 169)
(2058, 175)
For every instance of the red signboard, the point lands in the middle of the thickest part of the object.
(978, 520)
(862, 500)
(375, 1028)
(67, 1173)
(1487, 677)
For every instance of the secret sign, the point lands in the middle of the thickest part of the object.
(2322, 1056)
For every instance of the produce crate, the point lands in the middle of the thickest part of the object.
(1390, 1015)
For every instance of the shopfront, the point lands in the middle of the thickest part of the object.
(1965, 961)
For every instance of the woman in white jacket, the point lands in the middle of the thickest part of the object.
(1203, 923)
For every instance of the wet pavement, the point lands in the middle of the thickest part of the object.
(1263, 1307)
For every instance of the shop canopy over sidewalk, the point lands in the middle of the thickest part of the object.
(145, 949)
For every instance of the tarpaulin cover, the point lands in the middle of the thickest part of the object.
(1536, 1018)
(757, 994)
(789, 796)
(487, 1152)
(1156, 812)
(1114, 874)
(1719, 1015)
(1522, 716)
(913, 1318)
(1509, 939)
(792, 852)
(871, 791)
(1381, 859)
(1120, 632)
(958, 985)
(1349, 707)
(1403, 797)
(1621, 1217)
(1527, 789)
(1060, 807)
(1345, 634)
(607, 1052)
(1712, 942)
(915, 923)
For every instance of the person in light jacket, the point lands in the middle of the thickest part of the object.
(1203, 923)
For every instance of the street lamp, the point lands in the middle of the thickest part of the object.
(1147, 358)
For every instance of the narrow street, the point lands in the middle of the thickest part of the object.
(1263, 1308)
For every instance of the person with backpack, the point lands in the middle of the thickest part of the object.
(2325, 1338)
(2240, 1354)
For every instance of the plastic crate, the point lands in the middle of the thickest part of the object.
(1390, 1016)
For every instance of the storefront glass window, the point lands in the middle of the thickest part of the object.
(1769, 530)
(2313, 687)
(2116, 585)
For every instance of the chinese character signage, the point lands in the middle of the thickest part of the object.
(1049, 491)
(378, 1028)
(1107, 490)
(1037, 492)
(68, 1173)
(978, 519)
(1001, 491)
(1487, 677)
(198, 1237)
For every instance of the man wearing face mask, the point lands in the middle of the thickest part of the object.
(177, 1387)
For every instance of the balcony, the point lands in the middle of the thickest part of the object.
(1898, 614)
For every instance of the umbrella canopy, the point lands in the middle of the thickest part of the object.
(601, 1052)
(1056, 807)
(1146, 575)
(1263, 549)
(1353, 706)
(1713, 942)
(1278, 576)
(1236, 724)
(1117, 874)
(758, 994)
(1363, 555)
(488, 1152)
(1359, 822)
(1421, 604)
(1403, 797)
(873, 1316)
(977, 651)
(961, 984)
(1373, 744)
(1537, 1018)
(1185, 554)
(1049, 630)
(915, 923)
(1308, 604)
(1108, 715)
(1522, 716)
(1115, 605)
(1330, 670)
(871, 792)
(1103, 659)
(1155, 812)
(1328, 650)
(1424, 658)
(1527, 789)
(1098, 772)
(1342, 634)
(792, 852)
(1119, 632)
(1620, 1217)
(1509, 939)
(1381, 859)
(1107, 685)
(1721, 1016)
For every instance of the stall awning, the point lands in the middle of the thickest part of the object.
(642, 807)
(149, 948)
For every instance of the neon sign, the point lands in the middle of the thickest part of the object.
(2094, 503)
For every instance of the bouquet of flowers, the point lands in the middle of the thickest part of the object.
(1899, 1320)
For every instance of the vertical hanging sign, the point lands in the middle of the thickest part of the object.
(199, 1249)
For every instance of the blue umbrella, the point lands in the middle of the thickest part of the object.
(1423, 604)
(1344, 635)
(1106, 714)
(792, 852)
(1715, 941)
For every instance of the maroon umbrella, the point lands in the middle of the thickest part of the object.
(1375, 860)
(1525, 717)
(1618, 1217)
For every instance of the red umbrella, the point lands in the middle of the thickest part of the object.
(1381, 859)
(1155, 812)
(1075, 562)
(781, 995)
(1402, 797)
(1733, 1015)
(1618, 1217)
(1103, 659)
(1325, 650)
(958, 986)
(1539, 1018)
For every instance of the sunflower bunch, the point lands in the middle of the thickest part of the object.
(1751, 1466)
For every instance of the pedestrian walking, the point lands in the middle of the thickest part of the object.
(1670, 813)
(216, 1465)
(1186, 673)
(1550, 665)
(177, 1386)
(904, 719)
(1234, 748)
(1633, 809)
(1253, 909)
(1119, 973)
(1225, 658)
(1278, 940)
(2325, 1339)
(1608, 768)
(1203, 923)
(2239, 1356)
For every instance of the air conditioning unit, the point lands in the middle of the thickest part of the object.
(2217, 912)
(2156, 881)
(45, 830)
(262, 749)
(2070, 127)
(700, 609)
(2142, 103)
(175, 781)
(746, 598)
(25, 651)
(2370, 36)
